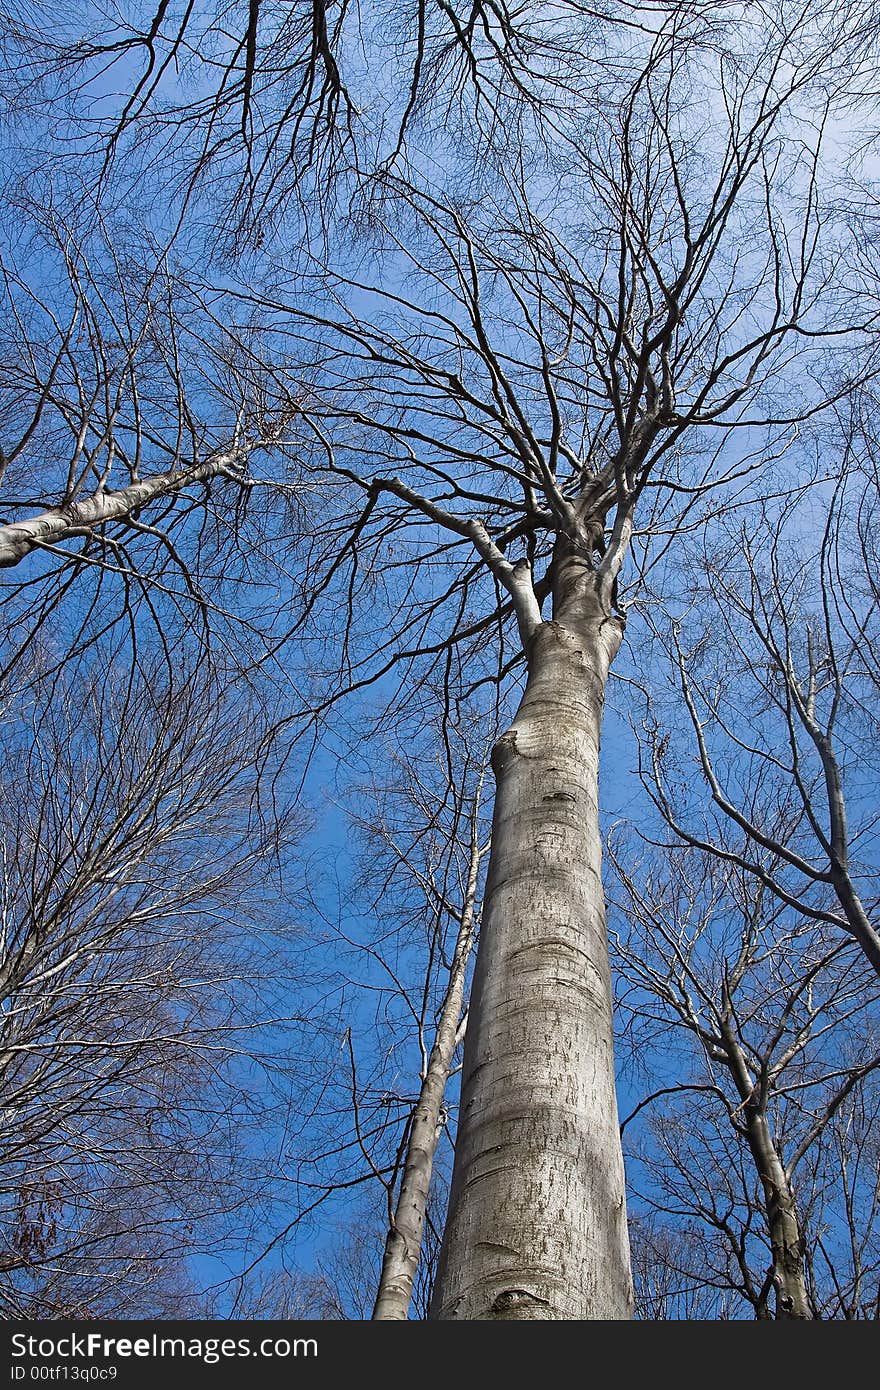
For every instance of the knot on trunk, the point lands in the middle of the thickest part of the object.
(511, 1302)
(504, 752)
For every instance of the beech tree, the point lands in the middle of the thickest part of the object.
(136, 1003)
(770, 1020)
(785, 751)
(402, 939)
(526, 393)
(487, 397)
(408, 1210)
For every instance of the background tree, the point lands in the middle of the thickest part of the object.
(129, 431)
(140, 1039)
(263, 110)
(756, 1033)
(408, 1213)
(786, 748)
(401, 938)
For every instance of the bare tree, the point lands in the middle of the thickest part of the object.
(772, 1025)
(518, 380)
(130, 430)
(786, 747)
(508, 413)
(403, 1246)
(264, 107)
(135, 1007)
(402, 940)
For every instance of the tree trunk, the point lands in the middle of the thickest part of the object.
(403, 1244)
(65, 522)
(537, 1220)
(783, 1226)
(780, 1210)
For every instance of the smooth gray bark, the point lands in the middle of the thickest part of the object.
(59, 524)
(783, 1226)
(780, 1208)
(404, 1241)
(537, 1219)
